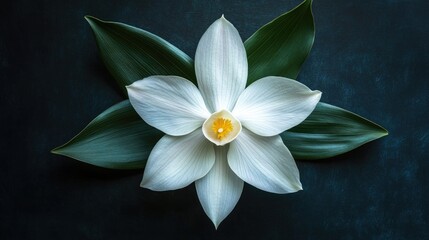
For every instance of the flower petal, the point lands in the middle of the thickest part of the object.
(169, 103)
(220, 190)
(176, 162)
(272, 105)
(264, 162)
(221, 66)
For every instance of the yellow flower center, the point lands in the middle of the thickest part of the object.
(222, 127)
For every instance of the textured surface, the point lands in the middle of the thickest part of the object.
(369, 57)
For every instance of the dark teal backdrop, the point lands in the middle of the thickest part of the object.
(369, 56)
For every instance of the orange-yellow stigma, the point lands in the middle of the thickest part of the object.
(221, 127)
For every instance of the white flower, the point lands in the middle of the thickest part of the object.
(221, 134)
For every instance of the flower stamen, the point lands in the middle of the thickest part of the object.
(222, 127)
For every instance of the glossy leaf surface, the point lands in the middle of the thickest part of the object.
(131, 54)
(281, 46)
(118, 138)
(330, 131)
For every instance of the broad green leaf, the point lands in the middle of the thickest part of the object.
(132, 54)
(280, 47)
(330, 131)
(118, 138)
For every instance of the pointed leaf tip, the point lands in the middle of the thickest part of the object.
(54, 151)
(91, 19)
(330, 131)
(118, 139)
(131, 54)
(280, 47)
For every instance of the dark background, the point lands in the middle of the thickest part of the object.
(370, 57)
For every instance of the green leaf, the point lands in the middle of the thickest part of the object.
(132, 54)
(280, 47)
(118, 138)
(330, 131)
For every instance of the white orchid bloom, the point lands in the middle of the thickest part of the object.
(221, 134)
